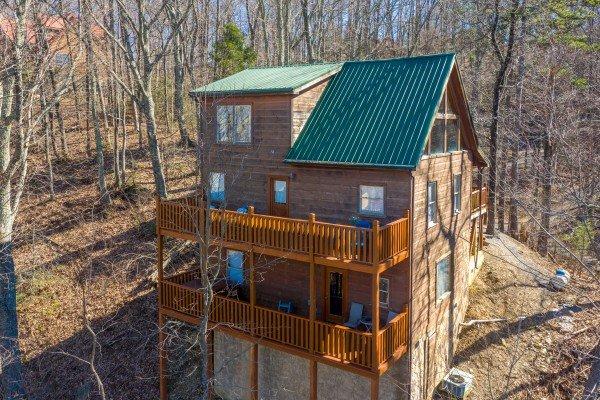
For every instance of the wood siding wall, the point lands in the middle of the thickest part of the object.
(435, 323)
(331, 193)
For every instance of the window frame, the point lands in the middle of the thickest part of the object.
(385, 304)
(371, 213)
(449, 280)
(447, 114)
(232, 140)
(210, 187)
(456, 196)
(434, 222)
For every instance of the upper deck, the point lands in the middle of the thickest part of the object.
(367, 250)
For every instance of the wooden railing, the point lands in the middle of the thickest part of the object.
(393, 336)
(479, 196)
(342, 242)
(334, 341)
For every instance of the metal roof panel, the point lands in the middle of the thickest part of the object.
(375, 113)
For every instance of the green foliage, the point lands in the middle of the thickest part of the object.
(582, 236)
(564, 19)
(231, 53)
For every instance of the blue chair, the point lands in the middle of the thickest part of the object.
(356, 311)
(284, 306)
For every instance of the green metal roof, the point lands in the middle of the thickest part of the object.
(375, 113)
(289, 79)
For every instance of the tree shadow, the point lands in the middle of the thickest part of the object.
(127, 361)
(515, 328)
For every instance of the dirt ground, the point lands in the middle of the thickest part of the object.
(66, 243)
(540, 351)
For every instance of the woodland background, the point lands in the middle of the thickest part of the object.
(95, 118)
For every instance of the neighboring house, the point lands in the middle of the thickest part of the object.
(55, 36)
(355, 187)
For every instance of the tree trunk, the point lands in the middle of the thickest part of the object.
(11, 377)
(147, 107)
(547, 173)
(178, 75)
(59, 118)
(513, 222)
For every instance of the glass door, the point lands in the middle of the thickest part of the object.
(336, 289)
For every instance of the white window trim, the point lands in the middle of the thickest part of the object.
(232, 141)
(446, 294)
(454, 202)
(430, 223)
(381, 303)
(371, 213)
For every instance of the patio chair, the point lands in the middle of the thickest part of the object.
(390, 316)
(285, 306)
(356, 310)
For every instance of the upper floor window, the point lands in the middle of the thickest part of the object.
(431, 204)
(384, 292)
(445, 133)
(217, 186)
(456, 192)
(443, 278)
(371, 200)
(234, 124)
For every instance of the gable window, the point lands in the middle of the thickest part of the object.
(456, 192)
(452, 134)
(445, 133)
(235, 267)
(234, 124)
(437, 136)
(371, 200)
(384, 292)
(443, 278)
(431, 204)
(217, 186)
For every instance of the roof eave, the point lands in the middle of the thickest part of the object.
(348, 164)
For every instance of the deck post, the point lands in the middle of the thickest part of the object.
(313, 306)
(375, 297)
(375, 388)
(251, 268)
(254, 372)
(162, 357)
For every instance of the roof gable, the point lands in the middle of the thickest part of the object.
(271, 80)
(375, 113)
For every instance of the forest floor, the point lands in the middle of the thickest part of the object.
(71, 242)
(542, 350)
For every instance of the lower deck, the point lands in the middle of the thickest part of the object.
(287, 328)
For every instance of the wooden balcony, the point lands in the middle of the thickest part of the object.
(479, 199)
(330, 244)
(334, 342)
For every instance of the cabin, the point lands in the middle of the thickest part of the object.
(343, 197)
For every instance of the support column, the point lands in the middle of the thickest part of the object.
(313, 306)
(254, 372)
(375, 298)
(375, 388)
(162, 358)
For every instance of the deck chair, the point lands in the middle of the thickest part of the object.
(390, 316)
(356, 310)
(285, 306)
